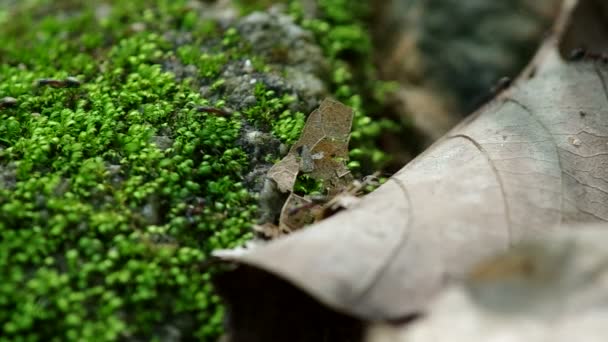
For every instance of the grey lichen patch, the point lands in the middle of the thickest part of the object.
(180, 70)
(308, 86)
(289, 62)
(162, 142)
(8, 175)
(261, 148)
(276, 37)
(239, 82)
(259, 145)
(266, 48)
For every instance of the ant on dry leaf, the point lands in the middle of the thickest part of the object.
(301, 211)
(582, 53)
(213, 110)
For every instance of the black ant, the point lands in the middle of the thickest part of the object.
(69, 82)
(502, 84)
(580, 53)
(213, 110)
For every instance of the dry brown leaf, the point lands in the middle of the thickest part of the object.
(265, 230)
(285, 172)
(321, 151)
(298, 212)
(530, 161)
(551, 289)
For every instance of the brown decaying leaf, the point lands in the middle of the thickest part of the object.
(550, 289)
(297, 213)
(532, 160)
(321, 151)
(285, 172)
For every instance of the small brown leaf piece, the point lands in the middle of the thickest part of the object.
(268, 230)
(69, 82)
(297, 213)
(301, 211)
(321, 151)
(331, 120)
(285, 172)
(329, 164)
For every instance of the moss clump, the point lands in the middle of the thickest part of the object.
(287, 125)
(340, 30)
(339, 27)
(113, 193)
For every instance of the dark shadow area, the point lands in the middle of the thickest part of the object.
(263, 308)
(587, 30)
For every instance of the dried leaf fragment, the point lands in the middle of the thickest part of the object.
(321, 151)
(298, 212)
(285, 172)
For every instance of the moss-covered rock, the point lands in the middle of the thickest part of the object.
(132, 144)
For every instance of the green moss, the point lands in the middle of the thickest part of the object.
(289, 126)
(341, 32)
(103, 228)
(306, 185)
(271, 111)
(209, 65)
(114, 193)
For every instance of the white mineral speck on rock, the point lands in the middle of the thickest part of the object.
(575, 141)
(248, 68)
